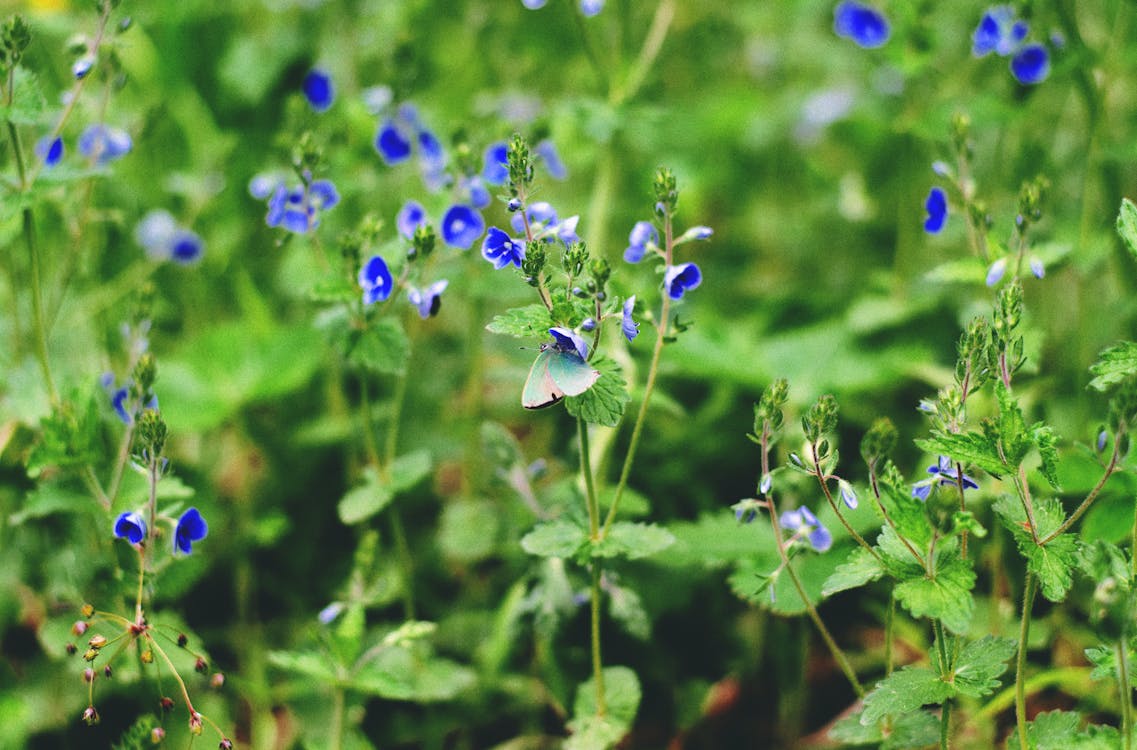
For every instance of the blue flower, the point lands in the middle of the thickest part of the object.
(999, 32)
(411, 216)
(642, 237)
(996, 271)
(567, 341)
(534, 4)
(163, 239)
(937, 208)
(462, 226)
(539, 215)
(943, 472)
(695, 234)
(678, 279)
(391, 144)
(848, 494)
(429, 300)
(476, 188)
(186, 247)
(1031, 64)
(118, 401)
(495, 166)
(804, 524)
(547, 150)
(318, 90)
(297, 209)
(591, 7)
(628, 325)
(322, 195)
(430, 147)
(191, 527)
(501, 249)
(261, 186)
(81, 67)
(864, 24)
(1037, 268)
(565, 231)
(104, 144)
(375, 280)
(49, 150)
(328, 614)
(131, 527)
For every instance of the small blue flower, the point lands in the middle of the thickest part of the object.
(804, 524)
(318, 90)
(391, 144)
(81, 67)
(865, 25)
(328, 614)
(411, 216)
(495, 167)
(131, 527)
(375, 280)
(534, 4)
(642, 237)
(118, 401)
(848, 494)
(1031, 64)
(261, 186)
(766, 484)
(588, 325)
(429, 300)
(539, 215)
(996, 271)
(565, 231)
(297, 209)
(191, 527)
(501, 249)
(567, 341)
(49, 150)
(322, 195)
(186, 247)
(937, 208)
(164, 240)
(999, 32)
(695, 234)
(591, 7)
(678, 279)
(104, 144)
(944, 473)
(547, 150)
(476, 188)
(431, 147)
(628, 325)
(1037, 268)
(462, 226)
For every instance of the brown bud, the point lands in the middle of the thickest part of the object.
(200, 666)
(182, 640)
(216, 680)
(71, 649)
(107, 670)
(166, 704)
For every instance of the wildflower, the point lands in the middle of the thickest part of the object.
(804, 524)
(131, 527)
(501, 249)
(476, 188)
(848, 494)
(411, 216)
(568, 341)
(746, 510)
(999, 32)
(495, 166)
(678, 279)
(430, 147)
(391, 144)
(588, 325)
(429, 300)
(318, 90)
(865, 25)
(191, 527)
(1037, 268)
(996, 271)
(553, 164)
(104, 144)
(297, 209)
(375, 279)
(628, 325)
(328, 614)
(90, 716)
(695, 234)
(461, 226)
(163, 239)
(943, 472)
(591, 8)
(534, 4)
(261, 186)
(937, 208)
(642, 238)
(565, 231)
(766, 484)
(1031, 64)
(49, 150)
(81, 67)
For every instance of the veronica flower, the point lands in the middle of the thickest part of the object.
(534, 4)
(678, 279)
(937, 208)
(1031, 64)
(591, 7)
(429, 300)
(261, 186)
(411, 216)
(996, 271)
(318, 90)
(865, 25)
(628, 325)
(943, 472)
(81, 67)
(1037, 268)
(297, 209)
(642, 237)
(553, 164)
(462, 226)
(565, 231)
(476, 188)
(804, 524)
(375, 280)
(131, 527)
(999, 32)
(392, 145)
(49, 150)
(191, 527)
(430, 147)
(539, 215)
(695, 234)
(501, 249)
(104, 144)
(848, 494)
(567, 341)
(495, 166)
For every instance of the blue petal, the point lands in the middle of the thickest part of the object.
(318, 90)
(547, 150)
(411, 216)
(820, 539)
(1037, 268)
(191, 528)
(462, 226)
(628, 325)
(392, 146)
(996, 271)
(1031, 65)
(863, 24)
(568, 341)
(937, 208)
(50, 150)
(322, 195)
(186, 247)
(131, 527)
(495, 168)
(678, 279)
(591, 7)
(375, 280)
(791, 519)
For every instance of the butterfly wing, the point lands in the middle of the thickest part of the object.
(570, 373)
(540, 388)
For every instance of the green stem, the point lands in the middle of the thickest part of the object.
(335, 732)
(1085, 505)
(1125, 690)
(945, 724)
(889, 618)
(1031, 587)
(594, 535)
(945, 668)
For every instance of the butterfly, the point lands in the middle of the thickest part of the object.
(560, 370)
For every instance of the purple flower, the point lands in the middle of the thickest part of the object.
(501, 249)
(996, 271)
(495, 168)
(547, 150)
(191, 527)
(391, 144)
(49, 150)
(1037, 268)
(1031, 64)
(462, 226)
(591, 7)
(131, 527)
(865, 25)
(628, 325)
(937, 208)
(318, 90)
(678, 279)
(429, 300)
(804, 524)
(642, 237)
(104, 144)
(375, 280)
(297, 209)
(848, 494)
(999, 32)
(411, 216)
(567, 341)
(81, 67)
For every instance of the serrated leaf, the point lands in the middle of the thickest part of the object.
(633, 540)
(1058, 730)
(945, 597)
(305, 663)
(531, 321)
(49, 499)
(559, 538)
(897, 559)
(970, 448)
(622, 699)
(917, 729)
(27, 107)
(904, 691)
(333, 288)
(364, 501)
(977, 669)
(908, 514)
(1046, 441)
(381, 348)
(1127, 225)
(604, 402)
(1115, 364)
(1013, 440)
(1052, 563)
(860, 568)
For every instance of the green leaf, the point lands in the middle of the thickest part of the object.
(333, 288)
(398, 673)
(969, 270)
(381, 348)
(27, 107)
(364, 501)
(633, 540)
(1046, 441)
(1127, 225)
(1115, 364)
(908, 514)
(559, 538)
(531, 321)
(1013, 440)
(626, 608)
(970, 448)
(860, 568)
(51, 498)
(622, 699)
(1052, 563)
(468, 530)
(945, 597)
(315, 666)
(917, 729)
(409, 469)
(977, 669)
(1058, 730)
(904, 691)
(604, 402)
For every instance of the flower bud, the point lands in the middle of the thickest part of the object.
(90, 654)
(87, 610)
(157, 734)
(71, 649)
(166, 703)
(195, 723)
(217, 680)
(107, 671)
(200, 666)
(90, 716)
(225, 744)
(182, 640)
(79, 628)
(147, 657)
(97, 641)
(88, 675)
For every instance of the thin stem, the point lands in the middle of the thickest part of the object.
(653, 44)
(945, 668)
(594, 535)
(889, 619)
(823, 481)
(335, 732)
(1085, 506)
(1020, 663)
(945, 724)
(589, 486)
(1023, 487)
(1125, 690)
(96, 489)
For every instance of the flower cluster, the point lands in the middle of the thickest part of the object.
(863, 24)
(103, 144)
(296, 208)
(677, 278)
(189, 528)
(1001, 32)
(164, 239)
(805, 525)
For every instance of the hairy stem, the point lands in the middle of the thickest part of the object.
(1031, 586)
